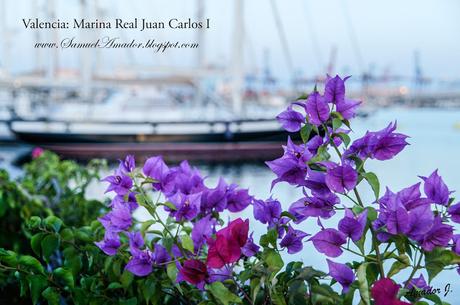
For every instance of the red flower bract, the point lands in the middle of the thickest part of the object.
(226, 248)
(194, 271)
(384, 292)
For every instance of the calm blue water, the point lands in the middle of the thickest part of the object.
(435, 144)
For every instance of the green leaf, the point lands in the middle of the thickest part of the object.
(363, 285)
(31, 263)
(187, 243)
(436, 260)
(170, 205)
(37, 284)
(114, 285)
(64, 276)
(336, 123)
(171, 270)
(130, 301)
(126, 279)
(373, 182)
(402, 262)
(34, 222)
(222, 294)
(345, 138)
(51, 295)
(305, 132)
(35, 242)
(146, 225)
(53, 223)
(50, 243)
(273, 260)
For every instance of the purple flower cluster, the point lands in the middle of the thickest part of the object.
(407, 212)
(424, 220)
(188, 200)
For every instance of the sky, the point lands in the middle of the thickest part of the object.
(367, 34)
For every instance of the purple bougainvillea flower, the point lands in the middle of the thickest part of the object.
(314, 143)
(128, 164)
(293, 240)
(385, 291)
(193, 271)
(410, 197)
(136, 242)
(435, 188)
(329, 241)
(334, 90)
(397, 217)
(187, 206)
(381, 145)
(456, 246)
(347, 108)
(454, 211)
(214, 199)
(141, 264)
(250, 248)
(420, 221)
(110, 243)
(316, 182)
(267, 212)
(438, 236)
(317, 109)
(418, 283)
(119, 183)
(160, 256)
(157, 169)
(353, 226)
(291, 167)
(342, 274)
(291, 120)
(120, 200)
(319, 205)
(202, 230)
(238, 199)
(219, 275)
(186, 179)
(117, 220)
(341, 179)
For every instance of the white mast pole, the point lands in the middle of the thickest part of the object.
(237, 62)
(4, 31)
(199, 98)
(38, 53)
(53, 56)
(85, 54)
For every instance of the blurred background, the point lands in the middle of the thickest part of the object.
(217, 102)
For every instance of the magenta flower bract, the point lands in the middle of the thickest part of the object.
(384, 292)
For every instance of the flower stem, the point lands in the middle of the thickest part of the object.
(415, 269)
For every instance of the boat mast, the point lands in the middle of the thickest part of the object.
(85, 54)
(38, 53)
(5, 48)
(237, 61)
(53, 56)
(199, 98)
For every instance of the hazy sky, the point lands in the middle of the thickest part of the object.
(387, 33)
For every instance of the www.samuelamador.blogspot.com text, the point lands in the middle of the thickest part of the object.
(116, 43)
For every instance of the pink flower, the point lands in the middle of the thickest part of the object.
(226, 248)
(384, 292)
(37, 152)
